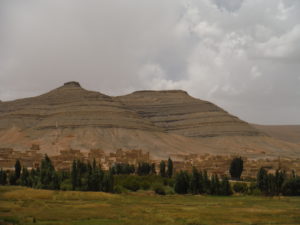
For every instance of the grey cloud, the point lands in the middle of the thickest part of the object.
(242, 55)
(231, 5)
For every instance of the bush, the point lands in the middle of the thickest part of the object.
(292, 187)
(132, 184)
(145, 185)
(240, 187)
(119, 189)
(66, 185)
(159, 189)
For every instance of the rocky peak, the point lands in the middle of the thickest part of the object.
(72, 84)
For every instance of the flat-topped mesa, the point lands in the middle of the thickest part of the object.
(161, 91)
(177, 112)
(72, 84)
(150, 97)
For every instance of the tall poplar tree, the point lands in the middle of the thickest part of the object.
(170, 168)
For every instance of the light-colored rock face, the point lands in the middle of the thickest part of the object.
(161, 122)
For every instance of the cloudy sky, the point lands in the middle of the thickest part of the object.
(243, 55)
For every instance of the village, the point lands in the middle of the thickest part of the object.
(213, 164)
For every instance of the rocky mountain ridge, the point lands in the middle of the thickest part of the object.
(161, 122)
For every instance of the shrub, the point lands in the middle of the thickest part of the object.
(66, 185)
(292, 187)
(159, 189)
(240, 187)
(119, 189)
(145, 185)
(132, 184)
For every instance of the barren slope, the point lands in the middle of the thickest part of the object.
(161, 122)
(290, 133)
(177, 112)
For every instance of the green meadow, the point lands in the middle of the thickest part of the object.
(19, 205)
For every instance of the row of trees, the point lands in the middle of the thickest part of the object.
(200, 183)
(86, 176)
(83, 176)
(144, 169)
(43, 177)
(166, 172)
(278, 183)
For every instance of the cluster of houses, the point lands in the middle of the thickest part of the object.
(213, 164)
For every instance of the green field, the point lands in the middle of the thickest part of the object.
(19, 205)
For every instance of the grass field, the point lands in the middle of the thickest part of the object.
(19, 205)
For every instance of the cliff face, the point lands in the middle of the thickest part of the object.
(161, 122)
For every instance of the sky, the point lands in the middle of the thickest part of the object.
(243, 55)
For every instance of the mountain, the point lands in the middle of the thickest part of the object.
(289, 133)
(161, 122)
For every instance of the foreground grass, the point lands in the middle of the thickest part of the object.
(28, 206)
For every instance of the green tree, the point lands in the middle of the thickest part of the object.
(225, 187)
(215, 185)
(46, 173)
(153, 169)
(236, 168)
(3, 177)
(182, 183)
(25, 178)
(74, 175)
(170, 168)
(143, 169)
(206, 183)
(108, 182)
(196, 182)
(280, 177)
(262, 180)
(162, 169)
(55, 181)
(292, 187)
(18, 168)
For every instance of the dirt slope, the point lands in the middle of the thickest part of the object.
(289, 133)
(161, 122)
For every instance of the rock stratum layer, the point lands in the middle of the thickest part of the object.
(161, 122)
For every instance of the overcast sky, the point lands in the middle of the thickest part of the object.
(243, 55)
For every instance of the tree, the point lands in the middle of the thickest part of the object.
(153, 169)
(143, 169)
(3, 177)
(225, 187)
(206, 183)
(182, 183)
(18, 168)
(236, 168)
(292, 187)
(12, 179)
(108, 182)
(215, 185)
(74, 175)
(196, 185)
(262, 180)
(280, 177)
(170, 168)
(162, 168)
(46, 173)
(25, 179)
(55, 181)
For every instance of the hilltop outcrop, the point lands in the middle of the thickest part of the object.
(161, 122)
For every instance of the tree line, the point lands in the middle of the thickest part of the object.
(86, 176)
